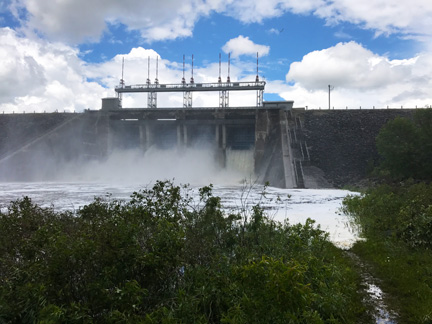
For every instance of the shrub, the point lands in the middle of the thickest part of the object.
(400, 212)
(161, 258)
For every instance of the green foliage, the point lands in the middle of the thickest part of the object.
(402, 213)
(397, 224)
(405, 275)
(405, 147)
(160, 258)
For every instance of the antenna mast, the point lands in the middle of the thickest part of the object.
(330, 88)
(229, 62)
(257, 77)
(148, 70)
(122, 83)
(122, 80)
(157, 70)
(192, 78)
(183, 79)
(219, 79)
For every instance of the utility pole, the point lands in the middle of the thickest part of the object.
(330, 87)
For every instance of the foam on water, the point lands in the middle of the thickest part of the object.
(296, 205)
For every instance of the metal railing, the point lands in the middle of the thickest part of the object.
(175, 87)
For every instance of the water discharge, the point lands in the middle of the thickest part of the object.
(193, 166)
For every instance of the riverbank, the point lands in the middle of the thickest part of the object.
(396, 222)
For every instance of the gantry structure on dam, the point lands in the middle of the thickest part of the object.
(224, 88)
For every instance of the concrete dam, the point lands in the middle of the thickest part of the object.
(271, 142)
(284, 146)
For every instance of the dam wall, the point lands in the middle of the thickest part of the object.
(280, 145)
(340, 144)
(34, 147)
(19, 129)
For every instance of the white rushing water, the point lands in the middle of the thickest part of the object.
(296, 205)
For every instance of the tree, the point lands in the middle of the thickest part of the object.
(405, 147)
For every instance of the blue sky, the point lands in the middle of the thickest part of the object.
(66, 55)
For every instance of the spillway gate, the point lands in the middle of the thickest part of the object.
(223, 131)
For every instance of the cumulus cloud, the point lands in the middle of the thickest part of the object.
(81, 20)
(244, 46)
(385, 17)
(46, 76)
(346, 65)
(43, 76)
(360, 78)
(411, 17)
(255, 11)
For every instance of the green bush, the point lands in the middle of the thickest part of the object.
(397, 224)
(401, 212)
(405, 147)
(160, 258)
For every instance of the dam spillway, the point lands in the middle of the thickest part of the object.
(243, 137)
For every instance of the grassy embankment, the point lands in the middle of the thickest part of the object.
(397, 224)
(396, 216)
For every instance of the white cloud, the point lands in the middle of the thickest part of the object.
(360, 78)
(244, 46)
(43, 76)
(342, 34)
(79, 20)
(347, 65)
(385, 17)
(255, 11)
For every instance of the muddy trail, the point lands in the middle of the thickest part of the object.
(375, 299)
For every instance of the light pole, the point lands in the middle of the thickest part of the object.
(330, 87)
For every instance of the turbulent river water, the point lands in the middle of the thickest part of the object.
(295, 205)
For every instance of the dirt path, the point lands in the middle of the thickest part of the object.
(376, 298)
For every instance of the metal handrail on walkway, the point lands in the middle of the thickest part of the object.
(187, 87)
